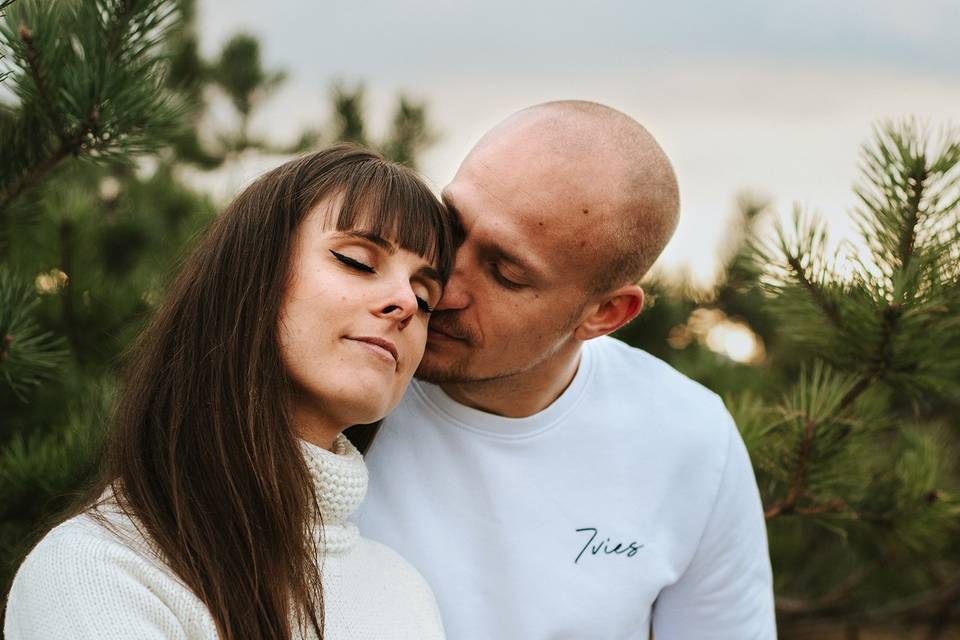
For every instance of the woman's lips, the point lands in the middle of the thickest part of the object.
(382, 347)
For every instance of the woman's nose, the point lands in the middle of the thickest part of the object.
(400, 305)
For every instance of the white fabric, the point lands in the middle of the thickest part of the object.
(85, 581)
(499, 514)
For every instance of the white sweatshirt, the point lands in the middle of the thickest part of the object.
(84, 581)
(628, 503)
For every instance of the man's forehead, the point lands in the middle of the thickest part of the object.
(520, 230)
(505, 178)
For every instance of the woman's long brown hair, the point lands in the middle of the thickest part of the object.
(202, 453)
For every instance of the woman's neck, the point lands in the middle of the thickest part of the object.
(315, 428)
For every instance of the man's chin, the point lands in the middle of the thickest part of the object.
(433, 370)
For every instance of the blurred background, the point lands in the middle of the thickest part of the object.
(813, 279)
(769, 98)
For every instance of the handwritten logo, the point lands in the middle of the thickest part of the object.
(606, 547)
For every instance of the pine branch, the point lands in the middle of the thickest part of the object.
(36, 72)
(3, 5)
(66, 292)
(27, 355)
(921, 605)
(829, 600)
(881, 362)
(796, 261)
(108, 90)
(71, 144)
(120, 16)
(815, 292)
(798, 485)
(820, 398)
(916, 182)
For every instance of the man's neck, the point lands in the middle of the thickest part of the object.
(522, 394)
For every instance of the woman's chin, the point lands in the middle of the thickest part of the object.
(367, 413)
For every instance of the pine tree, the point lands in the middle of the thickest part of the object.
(409, 132)
(857, 460)
(88, 99)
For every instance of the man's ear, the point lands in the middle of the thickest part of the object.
(615, 310)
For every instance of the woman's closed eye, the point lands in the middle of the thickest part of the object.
(353, 263)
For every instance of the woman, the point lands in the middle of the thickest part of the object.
(222, 510)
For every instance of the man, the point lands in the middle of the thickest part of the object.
(547, 480)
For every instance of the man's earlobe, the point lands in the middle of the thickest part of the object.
(617, 309)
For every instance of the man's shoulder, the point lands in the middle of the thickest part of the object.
(645, 376)
(649, 403)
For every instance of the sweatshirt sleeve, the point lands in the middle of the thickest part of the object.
(78, 586)
(726, 593)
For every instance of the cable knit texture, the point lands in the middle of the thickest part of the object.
(343, 476)
(84, 580)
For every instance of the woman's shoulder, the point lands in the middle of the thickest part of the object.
(376, 593)
(89, 576)
(103, 531)
(381, 555)
(398, 571)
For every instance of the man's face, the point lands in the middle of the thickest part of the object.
(519, 284)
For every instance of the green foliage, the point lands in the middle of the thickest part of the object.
(3, 5)
(28, 355)
(894, 314)
(348, 108)
(409, 133)
(857, 446)
(241, 75)
(97, 93)
(42, 473)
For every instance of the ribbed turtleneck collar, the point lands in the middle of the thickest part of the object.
(340, 482)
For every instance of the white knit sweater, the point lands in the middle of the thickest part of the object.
(85, 581)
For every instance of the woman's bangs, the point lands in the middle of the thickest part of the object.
(386, 203)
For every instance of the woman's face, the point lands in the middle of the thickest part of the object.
(353, 323)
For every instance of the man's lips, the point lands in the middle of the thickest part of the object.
(438, 334)
(379, 343)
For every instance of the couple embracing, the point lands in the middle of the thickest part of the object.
(538, 480)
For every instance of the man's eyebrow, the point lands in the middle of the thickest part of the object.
(429, 273)
(496, 250)
(373, 238)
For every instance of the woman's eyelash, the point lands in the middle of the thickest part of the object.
(350, 262)
(422, 304)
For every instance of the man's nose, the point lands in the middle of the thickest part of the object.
(456, 292)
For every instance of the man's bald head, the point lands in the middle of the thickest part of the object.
(586, 157)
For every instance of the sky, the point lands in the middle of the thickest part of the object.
(772, 99)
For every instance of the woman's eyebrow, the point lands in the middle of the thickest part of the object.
(425, 271)
(373, 238)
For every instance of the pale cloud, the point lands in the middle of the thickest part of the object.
(775, 98)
